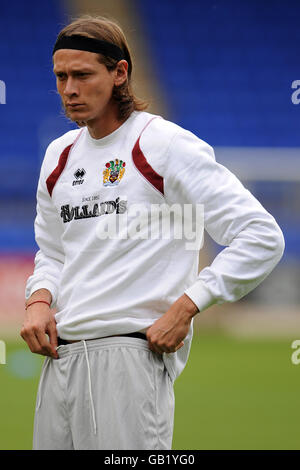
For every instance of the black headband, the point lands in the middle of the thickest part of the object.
(83, 43)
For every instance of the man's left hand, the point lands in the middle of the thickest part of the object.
(166, 335)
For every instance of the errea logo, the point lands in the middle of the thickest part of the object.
(79, 174)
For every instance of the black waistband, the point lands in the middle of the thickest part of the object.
(62, 342)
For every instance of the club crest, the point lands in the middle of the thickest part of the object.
(114, 172)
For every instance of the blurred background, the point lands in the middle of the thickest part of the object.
(224, 70)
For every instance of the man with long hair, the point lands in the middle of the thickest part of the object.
(122, 330)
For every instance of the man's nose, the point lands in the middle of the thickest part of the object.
(71, 87)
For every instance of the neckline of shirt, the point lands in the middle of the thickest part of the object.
(108, 139)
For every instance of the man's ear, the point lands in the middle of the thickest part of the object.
(121, 72)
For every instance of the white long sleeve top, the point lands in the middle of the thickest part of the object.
(108, 286)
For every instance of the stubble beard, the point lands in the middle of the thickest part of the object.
(68, 116)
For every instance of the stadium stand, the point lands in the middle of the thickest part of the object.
(31, 116)
(227, 67)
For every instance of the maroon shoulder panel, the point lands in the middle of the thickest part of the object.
(52, 179)
(146, 169)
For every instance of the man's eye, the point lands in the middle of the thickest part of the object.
(60, 76)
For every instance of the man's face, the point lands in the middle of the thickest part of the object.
(85, 85)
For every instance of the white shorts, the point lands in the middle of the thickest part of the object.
(109, 393)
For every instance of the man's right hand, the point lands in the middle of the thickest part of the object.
(39, 321)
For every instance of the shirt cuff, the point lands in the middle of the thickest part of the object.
(44, 284)
(200, 295)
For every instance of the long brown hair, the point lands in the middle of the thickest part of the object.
(102, 28)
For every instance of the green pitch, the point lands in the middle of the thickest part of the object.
(233, 394)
